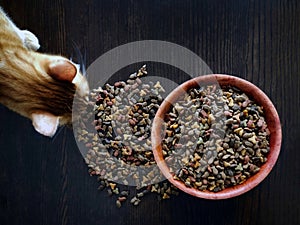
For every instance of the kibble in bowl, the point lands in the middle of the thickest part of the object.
(216, 140)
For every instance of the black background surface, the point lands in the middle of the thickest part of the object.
(45, 181)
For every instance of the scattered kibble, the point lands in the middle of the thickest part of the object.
(123, 114)
(214, 138)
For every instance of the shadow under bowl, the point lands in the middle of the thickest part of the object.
(254, 93)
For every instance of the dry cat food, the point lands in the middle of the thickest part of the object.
(120, 143)
(124, 113)
(215, 138)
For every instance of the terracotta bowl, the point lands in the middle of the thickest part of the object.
(254, 93)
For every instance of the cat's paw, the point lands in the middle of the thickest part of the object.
(30, 40)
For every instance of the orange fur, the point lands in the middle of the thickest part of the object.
(32, 82)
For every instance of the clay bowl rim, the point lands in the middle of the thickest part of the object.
(254, 93)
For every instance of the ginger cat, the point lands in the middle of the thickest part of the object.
(38, 86)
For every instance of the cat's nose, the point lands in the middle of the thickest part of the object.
(82, 86)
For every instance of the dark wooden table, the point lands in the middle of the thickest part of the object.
(45, 181)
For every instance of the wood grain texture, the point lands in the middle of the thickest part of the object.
(45, 181)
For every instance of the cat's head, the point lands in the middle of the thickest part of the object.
(41, 87)
(64, 78)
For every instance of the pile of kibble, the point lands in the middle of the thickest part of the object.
(215, 138)
(123, 114)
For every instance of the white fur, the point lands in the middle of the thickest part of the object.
(29, 40)
(81, 84)
(45, 123)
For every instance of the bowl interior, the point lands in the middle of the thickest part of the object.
(254, 93)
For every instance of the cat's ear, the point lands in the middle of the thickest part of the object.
(45, 123)
(62, 69)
